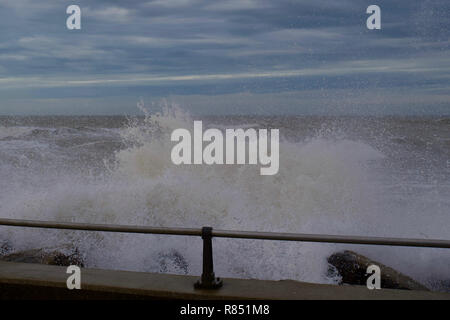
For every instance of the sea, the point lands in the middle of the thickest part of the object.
(365, 176)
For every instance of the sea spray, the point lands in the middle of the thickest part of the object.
(325, 185)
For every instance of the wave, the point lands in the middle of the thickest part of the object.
(324, 185)
(14, 132)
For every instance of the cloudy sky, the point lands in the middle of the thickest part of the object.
(225, 57)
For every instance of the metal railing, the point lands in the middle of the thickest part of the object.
(208, 279)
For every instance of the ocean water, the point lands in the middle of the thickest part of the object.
(385, 176)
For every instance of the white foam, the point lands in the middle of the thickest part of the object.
(323, 186)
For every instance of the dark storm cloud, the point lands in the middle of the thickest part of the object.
(196, 47)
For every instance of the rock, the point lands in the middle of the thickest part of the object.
(351, 267)
(46, 256)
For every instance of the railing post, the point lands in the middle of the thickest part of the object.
(208, 279)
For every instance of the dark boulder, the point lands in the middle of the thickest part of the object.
(352, 267)
(46, 256)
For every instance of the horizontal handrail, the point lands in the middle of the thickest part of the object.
(100, 227)
(431, 243)
(208, 279)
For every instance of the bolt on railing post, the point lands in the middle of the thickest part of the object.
(208, 280)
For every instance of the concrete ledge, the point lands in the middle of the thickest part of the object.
(35, 281)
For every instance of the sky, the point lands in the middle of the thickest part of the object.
(264, 57)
